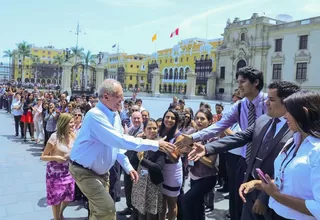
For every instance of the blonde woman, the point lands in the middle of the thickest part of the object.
(60, 184)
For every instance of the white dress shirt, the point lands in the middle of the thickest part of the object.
(101, 142)
(16, 103)
(301, 178)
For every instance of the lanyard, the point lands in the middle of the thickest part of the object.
(281, 169)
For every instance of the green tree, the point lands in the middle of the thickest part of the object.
(59, 60)
(10, 54)
(87, 59)
(24, 50)
(77, 53)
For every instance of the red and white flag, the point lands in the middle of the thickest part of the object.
(174, 33)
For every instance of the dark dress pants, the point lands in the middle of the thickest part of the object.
(240, 173)
(193, 204)
(247, 213)
(232, 162)
(18, 123)
(223, 170)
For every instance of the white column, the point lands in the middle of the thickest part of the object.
(66, 77)
(155, 82)
(191, 84)
(211, 86)
(99, 76)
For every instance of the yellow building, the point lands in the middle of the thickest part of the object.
(190, 54)
(38, 67)
(128, 70)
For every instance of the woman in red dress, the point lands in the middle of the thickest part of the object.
(27, 117)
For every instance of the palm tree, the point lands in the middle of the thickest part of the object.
(77, 53)
(59, 60)
(24, 50)
(10, 54)
(35, 62)
(88, 59)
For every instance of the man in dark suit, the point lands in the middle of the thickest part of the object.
(268, 135)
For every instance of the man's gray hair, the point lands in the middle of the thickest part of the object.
(108, 86)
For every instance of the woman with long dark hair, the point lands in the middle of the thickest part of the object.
(172, 169)
(27, 117)
(295, 191)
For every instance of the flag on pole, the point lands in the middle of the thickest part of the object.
(175, 32)
(114, 46)
(154, 37)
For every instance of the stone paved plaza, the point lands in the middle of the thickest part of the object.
(22, 182)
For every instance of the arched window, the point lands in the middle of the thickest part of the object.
(166, 74)
(48, 80)
(243, 37)
(170, 74)
(175, 73)
(181, 76)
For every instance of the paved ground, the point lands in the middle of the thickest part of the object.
(22, 182)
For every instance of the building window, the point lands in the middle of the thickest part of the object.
(166, 61)
(49, 62)
(195, 58)
(222, 72)
(278, 46)
(243, 37)
(181, 60)
(49, 52)
(301, 73)
(141, 77)
(170, 60)
(303, 43)
(160, 61)
(187, 59)
(137, 66)
(276, 71)
(131, 65)
(130, 77)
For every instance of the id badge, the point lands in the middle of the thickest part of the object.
(278, 181)
(144, 172)
(191, 163)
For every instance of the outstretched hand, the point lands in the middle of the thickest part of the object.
(184, 141)
(165, 146)
(198, 151)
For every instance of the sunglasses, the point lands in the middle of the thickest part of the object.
(135, 110)
(78, 115)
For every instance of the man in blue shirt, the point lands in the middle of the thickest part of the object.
(99, 144)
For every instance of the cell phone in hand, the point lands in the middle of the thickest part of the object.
(262, 176)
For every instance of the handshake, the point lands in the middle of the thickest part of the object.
(184, 144)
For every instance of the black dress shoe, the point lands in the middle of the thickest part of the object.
(126, 211)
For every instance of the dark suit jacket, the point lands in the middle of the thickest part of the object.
(254, 134)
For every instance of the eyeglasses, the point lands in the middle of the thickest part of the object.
(135, 110)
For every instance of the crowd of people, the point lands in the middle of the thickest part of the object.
(255, 152)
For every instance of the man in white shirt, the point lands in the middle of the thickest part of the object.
(99, 144)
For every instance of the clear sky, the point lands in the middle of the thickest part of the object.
(131, 23)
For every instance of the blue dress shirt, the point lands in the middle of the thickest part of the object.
(101, 142)
(232, 117)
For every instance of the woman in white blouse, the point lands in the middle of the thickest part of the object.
(295, 191)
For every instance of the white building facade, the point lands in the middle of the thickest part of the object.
(281, 50)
